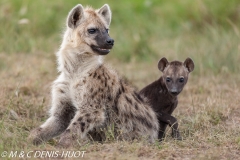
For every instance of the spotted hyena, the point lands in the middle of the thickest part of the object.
(89, 95)
(162, 93)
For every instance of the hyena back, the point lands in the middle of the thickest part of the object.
(88, 94)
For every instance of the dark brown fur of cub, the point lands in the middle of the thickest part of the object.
(162, 93)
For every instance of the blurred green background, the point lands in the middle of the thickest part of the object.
(144, 30)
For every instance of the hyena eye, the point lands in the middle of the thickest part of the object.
(168, 79)
(181, 80)
(107, 30)
(92, 30)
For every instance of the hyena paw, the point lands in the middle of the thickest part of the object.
(67, 140)
(176, 135)
(35, 136)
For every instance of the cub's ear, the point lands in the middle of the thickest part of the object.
(106, 13)
(75, 16)
(162, 64)
(188, 63)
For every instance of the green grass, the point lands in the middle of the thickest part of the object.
(144, 31)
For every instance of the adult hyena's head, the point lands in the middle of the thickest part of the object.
(88, 30)
(175, 74)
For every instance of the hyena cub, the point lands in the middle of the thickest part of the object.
(88, 95)
(162, 93)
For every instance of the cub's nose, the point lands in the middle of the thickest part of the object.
(174, 93)
(110, 41)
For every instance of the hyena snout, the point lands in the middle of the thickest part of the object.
(174, 90)
(110, 41)
(104, 44)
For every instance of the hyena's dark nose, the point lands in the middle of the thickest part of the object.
(174, 93)
(110, 41)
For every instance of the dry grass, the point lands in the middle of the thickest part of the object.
(208, 112)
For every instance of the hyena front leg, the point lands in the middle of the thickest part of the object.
(61, 113)
(81, 124)
(162, 129)
(172, 122)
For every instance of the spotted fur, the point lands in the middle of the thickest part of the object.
(89, 95)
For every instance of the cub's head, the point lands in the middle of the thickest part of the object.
(88, 30)
(175, 74)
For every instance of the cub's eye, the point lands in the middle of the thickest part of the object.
(168, 79)
(181, 80)
(92, 30)
(107, 30)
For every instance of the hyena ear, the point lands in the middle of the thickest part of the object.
(75, 16)
(162, 64)
(106, 13)
(188, 63)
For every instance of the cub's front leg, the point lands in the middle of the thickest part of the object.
(164, 119)
(61, 113)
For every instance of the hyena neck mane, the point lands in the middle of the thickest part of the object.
(73, 60)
